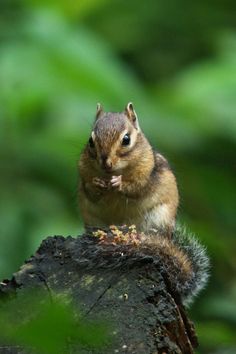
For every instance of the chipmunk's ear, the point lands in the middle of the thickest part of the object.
(131, 114)
(99, 110)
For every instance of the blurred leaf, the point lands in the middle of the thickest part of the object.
(210, 104)
(70, 8)
(36, 322)
(215, 335)
(221, 308)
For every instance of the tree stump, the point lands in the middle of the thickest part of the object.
(125, 284)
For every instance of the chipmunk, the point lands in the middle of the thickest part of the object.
(123, 180)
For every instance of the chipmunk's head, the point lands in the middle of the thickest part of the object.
(113, 139)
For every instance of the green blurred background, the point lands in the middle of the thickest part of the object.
(176, 61)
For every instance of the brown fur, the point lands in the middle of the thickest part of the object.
(166, 248)
(148, 195)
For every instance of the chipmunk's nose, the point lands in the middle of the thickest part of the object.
(106, 162)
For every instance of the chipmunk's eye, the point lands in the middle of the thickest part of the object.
(126, 140)
(91, 142)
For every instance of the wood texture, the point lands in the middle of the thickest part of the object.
(135, 297)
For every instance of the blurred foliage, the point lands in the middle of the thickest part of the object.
(177, 62)
(48, 325)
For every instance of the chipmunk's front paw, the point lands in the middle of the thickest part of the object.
(116, 182)
(99, 183)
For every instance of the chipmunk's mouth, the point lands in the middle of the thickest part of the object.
(109, 165)
(109, 169)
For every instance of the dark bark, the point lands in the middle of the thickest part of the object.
(136, 296)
